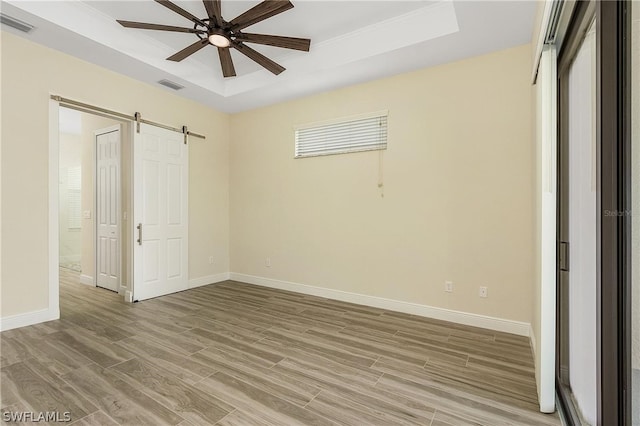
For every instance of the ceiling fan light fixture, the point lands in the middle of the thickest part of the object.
(219, 40)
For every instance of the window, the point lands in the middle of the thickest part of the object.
(362, 133)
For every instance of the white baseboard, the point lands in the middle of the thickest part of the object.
(209, 279)
(476, 320)
(87, 279)
(532, 341)
(29, 318)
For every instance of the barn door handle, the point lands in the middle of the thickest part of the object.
(563, 256)
(139, 227)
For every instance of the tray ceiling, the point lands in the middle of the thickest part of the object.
(352, 42)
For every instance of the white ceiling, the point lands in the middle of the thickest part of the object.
(351, 42)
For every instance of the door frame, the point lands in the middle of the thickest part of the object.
(96, 133)
(56, 102)
(53, 310)
(614, 132)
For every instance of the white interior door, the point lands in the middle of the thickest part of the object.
(108, 208)
(161, 179)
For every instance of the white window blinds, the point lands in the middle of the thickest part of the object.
(362, 133)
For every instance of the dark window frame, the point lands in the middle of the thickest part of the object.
(614, 132)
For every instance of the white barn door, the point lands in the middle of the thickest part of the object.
(108, 208)
(160, 203)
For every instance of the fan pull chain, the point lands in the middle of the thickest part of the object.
(381, 172)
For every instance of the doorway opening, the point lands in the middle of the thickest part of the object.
(93, 199)
(129, 206)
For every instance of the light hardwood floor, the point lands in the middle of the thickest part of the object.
(237, 354)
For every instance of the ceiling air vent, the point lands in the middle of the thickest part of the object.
(171, 84)
(15, 23)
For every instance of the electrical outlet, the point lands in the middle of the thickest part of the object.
(267, 262)
(210, 260)
(448, 286)
(484, 292)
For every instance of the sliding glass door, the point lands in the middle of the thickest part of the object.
(577, 224)
(598, 334)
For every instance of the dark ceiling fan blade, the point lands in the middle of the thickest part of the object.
(214, 10)
(259, 58)
(228, 70)
(260, 12)
(277, 41)
(145, 26)
(181, 11)
(189, 50)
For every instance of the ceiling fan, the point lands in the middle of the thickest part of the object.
(225, 35)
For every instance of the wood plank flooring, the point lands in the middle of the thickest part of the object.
(237, 354)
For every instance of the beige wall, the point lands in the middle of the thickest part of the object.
(458, 190)
(30, 73)
(70, 238)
